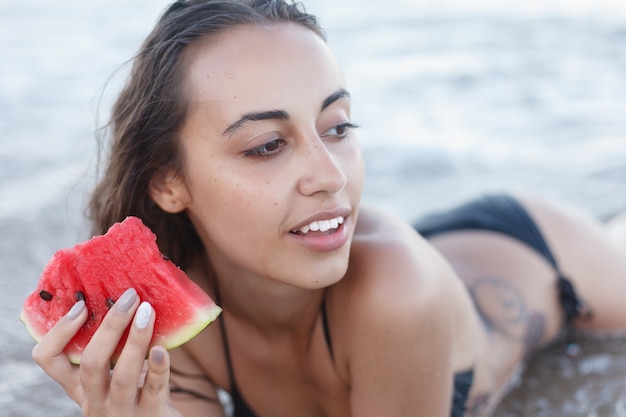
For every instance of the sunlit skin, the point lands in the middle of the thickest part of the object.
(249, 183)
(269, 148)
(270, 151)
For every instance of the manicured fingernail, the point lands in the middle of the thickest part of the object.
(142, 316)
(156, 355)
(76, 310)
(126, 301)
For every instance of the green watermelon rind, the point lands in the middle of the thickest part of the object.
(190, 331)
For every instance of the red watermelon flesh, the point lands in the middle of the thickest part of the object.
(100, 270)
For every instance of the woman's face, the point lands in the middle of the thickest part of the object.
(273, 170)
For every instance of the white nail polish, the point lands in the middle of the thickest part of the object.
(142, 316)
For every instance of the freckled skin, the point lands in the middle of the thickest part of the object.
(227, 193)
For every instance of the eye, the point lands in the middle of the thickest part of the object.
(340, 131)
(268, 149)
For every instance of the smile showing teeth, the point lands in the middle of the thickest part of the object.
(321, 225)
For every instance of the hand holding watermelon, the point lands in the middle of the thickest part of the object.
(109, 300)
(129, 389)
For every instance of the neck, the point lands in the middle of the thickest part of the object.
(265, 304)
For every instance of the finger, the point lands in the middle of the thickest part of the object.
(128, 369)
(95, 364)
(155, 391)
(142, 375)
(49, 355)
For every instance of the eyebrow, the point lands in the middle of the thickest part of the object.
(279, 114)
(256, 116)
(339, 94)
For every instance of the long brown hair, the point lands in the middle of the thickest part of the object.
(149, 113)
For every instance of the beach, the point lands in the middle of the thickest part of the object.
(453, 99)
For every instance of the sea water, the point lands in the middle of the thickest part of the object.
(454, 98)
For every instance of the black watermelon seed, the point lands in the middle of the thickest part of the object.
(165, 257)
(80, 296)
(110, 302)
(45, 295)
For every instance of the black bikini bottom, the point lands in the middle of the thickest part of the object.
(502, 213)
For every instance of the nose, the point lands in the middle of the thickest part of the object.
(320, 171)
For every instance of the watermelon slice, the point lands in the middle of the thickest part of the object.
(100, 270)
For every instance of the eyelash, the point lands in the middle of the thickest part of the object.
(263, 151)
(347, 126)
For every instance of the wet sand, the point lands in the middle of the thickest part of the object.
(592, 384)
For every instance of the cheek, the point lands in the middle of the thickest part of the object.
(232, 203)
(239, 221)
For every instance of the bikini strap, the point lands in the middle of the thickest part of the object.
(229, 366)
(241, 407)
(573, 308)
(329, 342)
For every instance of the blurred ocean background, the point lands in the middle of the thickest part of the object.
(454, 97)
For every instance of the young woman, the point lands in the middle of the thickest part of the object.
(233, 141)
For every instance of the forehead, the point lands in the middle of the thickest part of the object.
(248, 63)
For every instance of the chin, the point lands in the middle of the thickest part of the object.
(327, 276)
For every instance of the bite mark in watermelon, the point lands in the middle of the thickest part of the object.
(100, 270)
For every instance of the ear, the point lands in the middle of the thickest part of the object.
(169, 192)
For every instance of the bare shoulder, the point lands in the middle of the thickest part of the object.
(397, 280)
(392, 260)
(397, 317)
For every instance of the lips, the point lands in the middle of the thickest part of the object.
(323, 232)
(320, 226)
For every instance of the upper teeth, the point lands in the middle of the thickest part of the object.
(321, 225)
